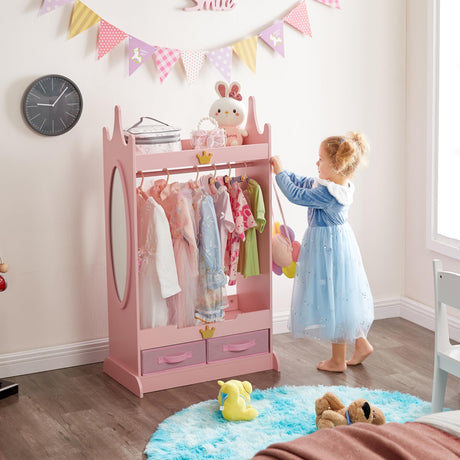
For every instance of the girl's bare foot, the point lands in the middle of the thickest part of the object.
(362, 350)
(331, 366)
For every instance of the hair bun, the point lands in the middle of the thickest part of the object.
(360, 141)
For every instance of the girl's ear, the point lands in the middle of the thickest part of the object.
(221, 88)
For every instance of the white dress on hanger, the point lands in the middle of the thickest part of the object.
(157, 266)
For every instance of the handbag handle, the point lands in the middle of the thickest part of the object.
(282, 214)
(212, 120)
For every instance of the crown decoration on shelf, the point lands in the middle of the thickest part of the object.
(207, 333)
(204, 158)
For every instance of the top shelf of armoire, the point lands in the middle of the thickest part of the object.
(256, 148)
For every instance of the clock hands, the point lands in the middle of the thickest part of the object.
(59, 97)
(55, 102)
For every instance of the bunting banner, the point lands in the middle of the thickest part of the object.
(82, 18)
(192, 62)
(222, 61)
(298, 18)
(273, 36)
(139, 52)
(165, 58)
(331, 3)
(247, 51)
(50, 5)
(109, 37)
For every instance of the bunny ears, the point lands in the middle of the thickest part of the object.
(232, 90)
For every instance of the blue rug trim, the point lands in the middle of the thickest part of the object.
(199, 432)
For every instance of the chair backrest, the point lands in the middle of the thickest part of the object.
(447, 286)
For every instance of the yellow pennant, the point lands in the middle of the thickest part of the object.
(82, 18)
(247, 50)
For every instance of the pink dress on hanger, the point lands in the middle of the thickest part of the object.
(177, 203)
(243, 220)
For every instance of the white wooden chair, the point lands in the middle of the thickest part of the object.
(446, 355)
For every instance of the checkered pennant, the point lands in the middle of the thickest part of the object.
(331, 3)
(165, 58)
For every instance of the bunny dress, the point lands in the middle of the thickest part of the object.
(331, 297)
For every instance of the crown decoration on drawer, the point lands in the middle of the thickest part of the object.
(204, 158)
(207, 333)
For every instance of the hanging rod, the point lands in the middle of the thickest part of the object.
(192, 169)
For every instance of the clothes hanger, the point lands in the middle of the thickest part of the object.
(166, 170)
(244, 177)
(195, 183)
(139, 189)
(212, 180)
(228, 178)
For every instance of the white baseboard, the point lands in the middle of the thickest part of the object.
(46, 359)
(93, 351)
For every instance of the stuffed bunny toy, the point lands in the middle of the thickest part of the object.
(229, 111)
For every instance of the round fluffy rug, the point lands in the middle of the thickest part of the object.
(200, 432)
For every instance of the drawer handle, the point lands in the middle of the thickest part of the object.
(174, 359)
(239, 346)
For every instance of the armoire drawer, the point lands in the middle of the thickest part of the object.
(234, 346)
(161, 359)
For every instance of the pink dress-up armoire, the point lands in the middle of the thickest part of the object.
(145, 360)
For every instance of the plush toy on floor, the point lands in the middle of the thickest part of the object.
(234, 398)
(229, 111)
(331, 412)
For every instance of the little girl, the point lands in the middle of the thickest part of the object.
(331, 298)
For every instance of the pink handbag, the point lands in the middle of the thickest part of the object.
(209, 138)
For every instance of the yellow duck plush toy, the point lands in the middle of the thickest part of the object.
(331, 412)
(234, 400)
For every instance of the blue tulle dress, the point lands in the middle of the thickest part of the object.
(331, 298)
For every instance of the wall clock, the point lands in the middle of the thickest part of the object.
(52, 105)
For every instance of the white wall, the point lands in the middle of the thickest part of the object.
(419, 272)
(350, 75)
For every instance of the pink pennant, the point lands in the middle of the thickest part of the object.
(298, 18)
(331, 3)
(139, 52)
(109, 38)
(222, 60)
(193, 61)
(165, 59)
(50, 5)
(274, 37)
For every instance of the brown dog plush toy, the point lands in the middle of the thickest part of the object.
(330, 412)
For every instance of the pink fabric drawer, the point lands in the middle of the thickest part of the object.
(234, 346)
(185, 354)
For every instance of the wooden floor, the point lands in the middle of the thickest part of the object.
(81, 413)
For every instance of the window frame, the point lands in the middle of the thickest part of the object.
(435, 241)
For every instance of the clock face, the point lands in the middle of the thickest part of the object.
(52, 105)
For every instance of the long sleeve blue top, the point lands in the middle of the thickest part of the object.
(327, 201)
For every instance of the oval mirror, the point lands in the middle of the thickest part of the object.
(118, 235)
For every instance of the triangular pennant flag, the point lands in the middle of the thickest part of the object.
(331, 3)
(165, 59)
(247, 51)
(193, 61)
(298, 18)
(82, 18)
(274, 37)
(139, 52)
(109, 38)
(50, 5)
(222, 60)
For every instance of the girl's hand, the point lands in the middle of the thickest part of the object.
(277, 166)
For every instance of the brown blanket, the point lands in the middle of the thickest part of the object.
(394, 441)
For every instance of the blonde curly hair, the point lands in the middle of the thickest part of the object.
(346, 152)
